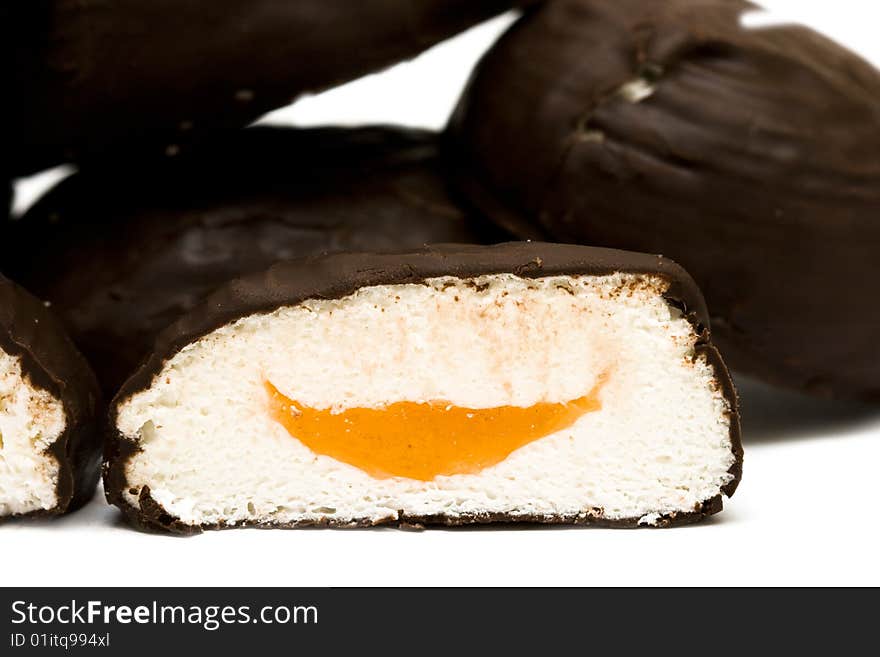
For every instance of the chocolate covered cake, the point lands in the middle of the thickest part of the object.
(749, 156)
(50, 447)
(452, 385)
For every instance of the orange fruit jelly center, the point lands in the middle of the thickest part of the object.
(421, 440)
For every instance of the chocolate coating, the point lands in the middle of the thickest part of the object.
(748, 156)
(124, 253)
(96, 79)
(338, 275)
(29, 331)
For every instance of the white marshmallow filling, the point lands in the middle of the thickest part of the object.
(211, 451)
(31, 420)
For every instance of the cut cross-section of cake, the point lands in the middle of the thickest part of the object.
(50, 447)
(455, 384)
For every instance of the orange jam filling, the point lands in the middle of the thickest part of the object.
(424, 440)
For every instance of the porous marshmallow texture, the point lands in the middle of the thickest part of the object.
(30, 421)
(212, 453)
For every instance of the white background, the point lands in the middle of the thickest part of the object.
(804, 513)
